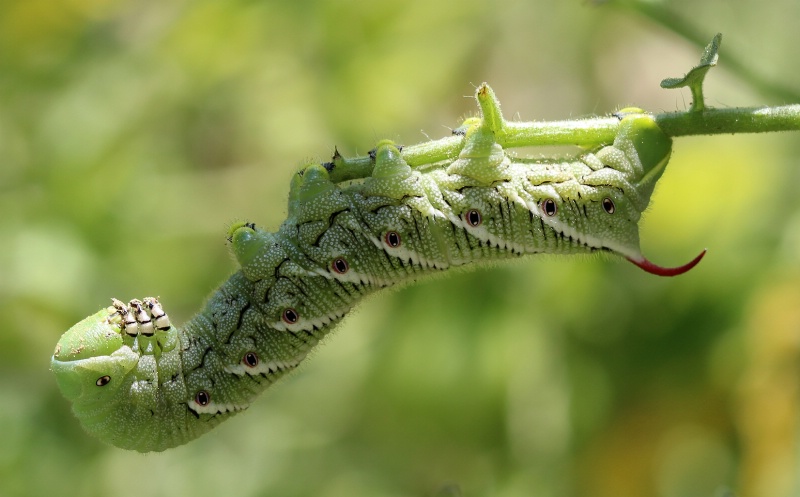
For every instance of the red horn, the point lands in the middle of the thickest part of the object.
(666, 271)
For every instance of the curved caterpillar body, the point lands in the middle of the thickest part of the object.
(140, 383)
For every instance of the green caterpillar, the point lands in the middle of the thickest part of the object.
(353, 227)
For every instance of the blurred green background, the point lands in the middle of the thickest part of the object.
(133, 133)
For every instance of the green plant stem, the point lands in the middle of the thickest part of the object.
(581, 132)
(588, 133)
(600, 131)
(733, 120)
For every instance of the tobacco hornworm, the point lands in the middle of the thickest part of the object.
(354, 226)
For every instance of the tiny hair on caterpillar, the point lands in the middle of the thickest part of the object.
(354, 226)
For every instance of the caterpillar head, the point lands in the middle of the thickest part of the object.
(89, 361)
(106, 366)
(94, 371)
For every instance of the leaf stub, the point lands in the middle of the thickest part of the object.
(696, 76)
